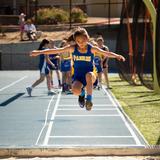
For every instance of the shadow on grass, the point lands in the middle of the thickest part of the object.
(148, 92)
(158, 142)
(142, 104)
(119, 85)
(116, 80)
(153, 100)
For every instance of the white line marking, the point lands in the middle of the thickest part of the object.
(89, 115)
(81, 109)
(46, 117)
(95, 105)
(91, 137)
(120, 107)
(13, 83)
(95, 145)
(123, 118)
(51, 121)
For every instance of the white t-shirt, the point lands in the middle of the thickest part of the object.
(29, 27)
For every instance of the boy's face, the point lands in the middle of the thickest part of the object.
(51, 44)
(47, 45)
(100, 42)
(81, 41)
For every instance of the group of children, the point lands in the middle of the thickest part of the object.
(50, 63)
(83, 55)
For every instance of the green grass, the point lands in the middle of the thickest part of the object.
(141, 105)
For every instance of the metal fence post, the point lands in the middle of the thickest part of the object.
(0, 60)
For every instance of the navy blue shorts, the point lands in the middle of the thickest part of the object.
(81, 78)
(99, 68)
(97, 63)
(65, 65)
(44, 70)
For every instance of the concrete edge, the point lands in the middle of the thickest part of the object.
(73, 152)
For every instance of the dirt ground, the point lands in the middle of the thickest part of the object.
(14, 37)
(90, 158)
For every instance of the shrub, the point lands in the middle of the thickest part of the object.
(52, 16)
(78, 16)
(56, 15)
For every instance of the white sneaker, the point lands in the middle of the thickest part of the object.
(50, 93)
(99, 86)
(29, 91)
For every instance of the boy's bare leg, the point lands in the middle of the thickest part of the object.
(105, 72)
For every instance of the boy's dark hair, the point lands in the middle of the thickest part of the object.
(43, 43)
(100, 38)
(63, 43)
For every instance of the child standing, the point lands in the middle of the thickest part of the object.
(21, 23)
(44, 70)
(83, 56)
(55, 60)
(65, 66)
(100, 42)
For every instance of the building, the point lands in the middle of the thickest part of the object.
(93, 8)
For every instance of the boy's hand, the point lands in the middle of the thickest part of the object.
(121, 58)
(34, 53)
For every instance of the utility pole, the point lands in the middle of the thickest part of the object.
(36, 7)
(70, 14)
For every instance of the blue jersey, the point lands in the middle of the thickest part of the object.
(54, 60)
(42, 60)
(44, 69)
(83, 62)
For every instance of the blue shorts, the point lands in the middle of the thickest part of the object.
(44, 70)
(65, 65)
(97, 63)
(81, 78)
(99, 68)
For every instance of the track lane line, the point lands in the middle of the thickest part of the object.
(133, 124)
(81, 109)
(89, 115)
(13, 83)
(123, 118)
(46, 139)
(46, 118)
(90, 137)
(94, 145)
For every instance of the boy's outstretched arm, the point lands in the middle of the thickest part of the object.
(108, 54)
(52, 51)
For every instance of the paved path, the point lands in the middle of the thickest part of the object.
(58, 121)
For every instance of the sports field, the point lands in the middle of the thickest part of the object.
(43, 121)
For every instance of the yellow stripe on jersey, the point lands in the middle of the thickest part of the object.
(65, 56)
(98, 55)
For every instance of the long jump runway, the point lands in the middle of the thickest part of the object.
(57, 121)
